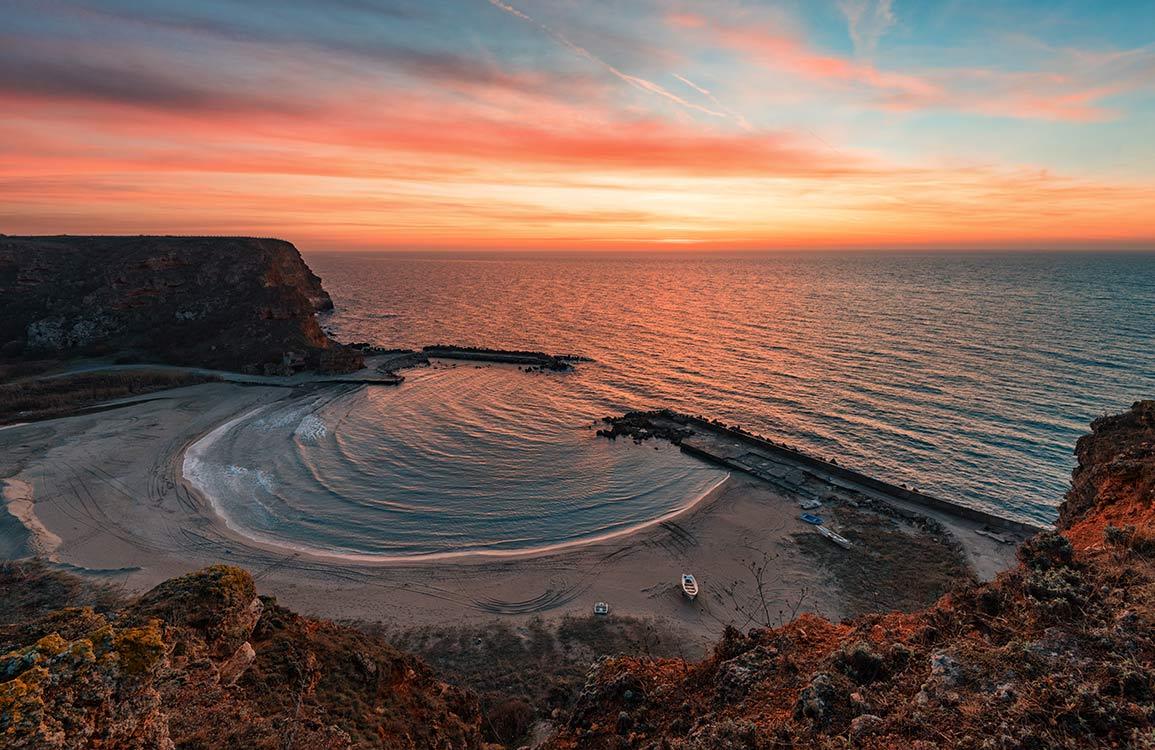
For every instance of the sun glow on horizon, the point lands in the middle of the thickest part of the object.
(477, 123)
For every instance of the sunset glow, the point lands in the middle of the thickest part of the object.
(363, 124)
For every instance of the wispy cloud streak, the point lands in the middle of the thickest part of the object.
(738, 117)
(635, 81)
(868, 21)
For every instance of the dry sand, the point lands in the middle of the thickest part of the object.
(104, 494)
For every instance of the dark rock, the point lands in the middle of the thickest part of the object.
(818, 700)
(223, 302)
(736, 676)
(861, 662)
(946, 670)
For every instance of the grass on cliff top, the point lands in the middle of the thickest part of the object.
(30, 591)
(48, 398)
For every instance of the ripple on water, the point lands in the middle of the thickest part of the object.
(457, 460)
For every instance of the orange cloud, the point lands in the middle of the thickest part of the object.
(368, 137)
(519, 160)
(367, 193)
(1045, 95)
(795, 56)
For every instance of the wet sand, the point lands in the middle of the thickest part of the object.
(104, 494)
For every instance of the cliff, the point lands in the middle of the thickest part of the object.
(1058, 652)
(229, 302)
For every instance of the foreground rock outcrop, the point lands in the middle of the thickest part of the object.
(202, 662)
(1057, 653)
(224, 302)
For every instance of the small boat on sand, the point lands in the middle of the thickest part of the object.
(838, 539)
(601, 608)
(811, 518)
(689, 585)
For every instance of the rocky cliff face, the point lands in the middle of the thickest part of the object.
(229, 302)
(1056, 653)
(1114, 483)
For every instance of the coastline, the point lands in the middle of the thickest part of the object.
(114, 490)
(191, 463)
(19, 503)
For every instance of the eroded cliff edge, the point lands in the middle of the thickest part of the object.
(232, 303)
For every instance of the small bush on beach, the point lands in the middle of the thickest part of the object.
(48, 398)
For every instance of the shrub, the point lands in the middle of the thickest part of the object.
(509, 721)
(1045, 550)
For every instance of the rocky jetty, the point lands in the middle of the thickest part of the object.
(1058, 652)
(538, 360)
(232, 303)
(640, 426)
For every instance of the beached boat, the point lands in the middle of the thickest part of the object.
(601, 608)
(811, 518)
(838, 539)
(689, 585)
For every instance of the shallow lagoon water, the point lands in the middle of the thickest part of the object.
(457, 460)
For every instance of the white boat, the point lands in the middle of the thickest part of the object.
(838, 539)
(689, 585)
(601, 608)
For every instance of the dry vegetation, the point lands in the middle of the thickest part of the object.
(524, 674)
(13, 370)
(887, 568)
(30, 590)
(1055, 654)
(48, 398)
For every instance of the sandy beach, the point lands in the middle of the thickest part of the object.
(105, 495)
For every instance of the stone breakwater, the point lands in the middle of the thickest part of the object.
(390, 361)
(735, 447)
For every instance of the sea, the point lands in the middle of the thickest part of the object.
(967, 376)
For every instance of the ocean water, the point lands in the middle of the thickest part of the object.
(967, 376)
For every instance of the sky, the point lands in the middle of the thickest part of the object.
(583, 124)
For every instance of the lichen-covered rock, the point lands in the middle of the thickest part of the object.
(220, 601)
(95, 691)
(159, 673)
(140, 649)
